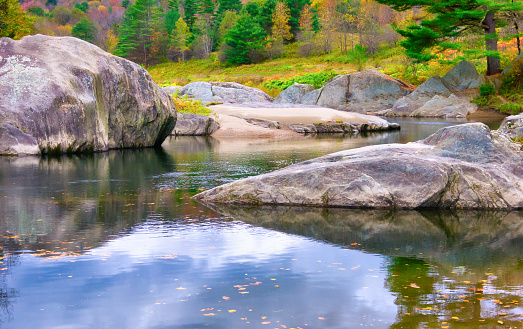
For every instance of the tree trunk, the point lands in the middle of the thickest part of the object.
(517, 38)
(491, 43)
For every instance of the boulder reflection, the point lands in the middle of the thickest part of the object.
(454, 269)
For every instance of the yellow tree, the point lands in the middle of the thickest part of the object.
(280, 22)
(306, 31)
(280, 30)
(329, 23)
(14, 23)
(181, 37)
(346, 22)
(368, 26)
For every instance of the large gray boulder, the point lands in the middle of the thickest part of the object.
(62, 94)
(294, 94)
(466, 166)
(365, 91)
(450, 107)
(426, 91)
(441, 97)
(223, 92)
(190, 124)
(462, 77)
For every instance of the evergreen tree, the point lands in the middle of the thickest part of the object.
(264, 17)
(246, 36)
(229, 20)
(84, 30)
(126, 3)
(36, 11)
(229, 5)
(172, 16)
(141, 20)
(295, 7)
(83, 6)
(449, 19)
(207, 8)
(14, 23)
(191, 8)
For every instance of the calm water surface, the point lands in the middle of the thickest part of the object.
(114, 241)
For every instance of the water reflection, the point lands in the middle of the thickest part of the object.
(461, 269)
(113, 240)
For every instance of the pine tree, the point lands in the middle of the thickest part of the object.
(207, 8)
(246, 36)
(229, 5)
(295, 8)
(84, 30)
(14, 23)
(191, 8)
(449, 19)
(141, 20)
(172, 16)
(126, 3)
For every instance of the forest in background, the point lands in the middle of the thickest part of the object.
(271, 43)
(150, 32)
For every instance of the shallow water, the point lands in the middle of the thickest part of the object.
(114, 241)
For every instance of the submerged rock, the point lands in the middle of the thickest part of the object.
(62, 94)
(190, 124)
(466, 166)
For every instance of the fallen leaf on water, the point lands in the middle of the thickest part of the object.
(181, 288)
(321, 318)
(226, 298)
(266, 322)
(209, 314)
(232, 311)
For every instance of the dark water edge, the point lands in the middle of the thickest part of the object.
(113, 240)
